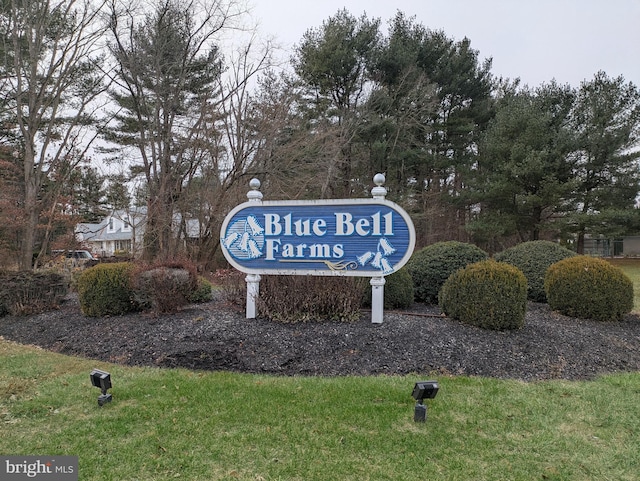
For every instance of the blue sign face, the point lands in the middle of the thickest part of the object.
(361, 237)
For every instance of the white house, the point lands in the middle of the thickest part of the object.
(120, 232)
(123, 231)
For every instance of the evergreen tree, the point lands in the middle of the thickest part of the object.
(606, 119)
(83, 193)
(334, 62)
(525, 173)
(117, 196)
(434, 101)
(169, 68)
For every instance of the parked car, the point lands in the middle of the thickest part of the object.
(73, 258)
(79, 254)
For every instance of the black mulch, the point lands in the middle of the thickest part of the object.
(216, 336)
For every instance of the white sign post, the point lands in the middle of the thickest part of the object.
(337, 237)
(377, 283)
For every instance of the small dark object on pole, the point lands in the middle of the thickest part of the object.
(421, 391)
(102, 380)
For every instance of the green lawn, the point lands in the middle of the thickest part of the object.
(178, 424)
(631, 268)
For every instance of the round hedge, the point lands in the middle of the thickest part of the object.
(588, 288)
(431, 266)
(533, 258)
(487, 294)
(105, 289)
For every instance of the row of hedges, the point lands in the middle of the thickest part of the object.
(492, 293)
(466, 283)
(118, 288)
(431, 266)
(105, 289)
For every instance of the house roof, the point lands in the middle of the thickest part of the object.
(98, 233)
(90, 232)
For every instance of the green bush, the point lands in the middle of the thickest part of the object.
(398, 290)
(164, 287)
(487, 294)
(533, 258)
(203, 292)
(106, 289)
(431, 266)
(27, 292)
(310, 298)
(589, 288)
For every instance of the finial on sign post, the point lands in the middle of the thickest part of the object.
(379, 192)
(254, 193)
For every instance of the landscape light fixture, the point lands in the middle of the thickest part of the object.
(102, 380)
(421, 391)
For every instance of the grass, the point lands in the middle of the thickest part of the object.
(631, 267)
(179, 424)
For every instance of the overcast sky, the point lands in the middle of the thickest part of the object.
(536, 40)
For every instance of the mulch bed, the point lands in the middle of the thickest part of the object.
(216, 336)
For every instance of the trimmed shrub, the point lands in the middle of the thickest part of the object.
(310, 298)
(398, 290)
(105, 289)
(25, 293)
(588, 288)
(487, 294)
(431, 266)
(203, 292)
(164, 287)
(533, 258)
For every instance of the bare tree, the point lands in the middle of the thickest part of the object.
(52, 80)
(296, 155)
(233, 144)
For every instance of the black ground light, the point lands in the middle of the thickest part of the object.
(102, 380)
(421, 391)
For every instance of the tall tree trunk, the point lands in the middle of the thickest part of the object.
(29, 238)
(30, 208)
(580, 243)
